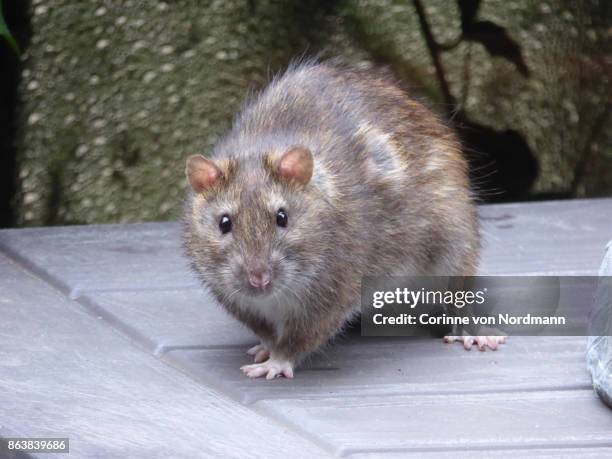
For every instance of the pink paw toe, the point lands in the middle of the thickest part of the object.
(482, 342)
(271, 368)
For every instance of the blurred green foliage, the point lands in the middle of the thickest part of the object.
(114, 98)
(6, 33)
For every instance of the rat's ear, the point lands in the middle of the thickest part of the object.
(296, 165)
(202, 174)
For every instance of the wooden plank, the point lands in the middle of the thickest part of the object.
(546, 238)
(431, 397)
(103, 257)
(65, 374)
(522, 453)
(170, 318)
(385, 366)
(557, 237)
(563, 237)
(452, 423)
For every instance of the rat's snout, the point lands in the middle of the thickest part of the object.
(260, 276)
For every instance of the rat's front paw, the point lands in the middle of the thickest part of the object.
(271, 368)
(481, 341)
(259, 353)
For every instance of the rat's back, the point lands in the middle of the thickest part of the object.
(380, 156)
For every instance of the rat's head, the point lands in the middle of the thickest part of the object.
(254, 225)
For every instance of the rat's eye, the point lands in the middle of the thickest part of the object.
(282, 218)
(225, 224)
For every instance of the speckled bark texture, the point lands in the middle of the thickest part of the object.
(114, 95)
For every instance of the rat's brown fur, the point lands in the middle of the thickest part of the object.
(389, 195)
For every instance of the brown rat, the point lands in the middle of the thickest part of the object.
(329, 175)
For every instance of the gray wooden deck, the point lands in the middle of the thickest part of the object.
(106, 338)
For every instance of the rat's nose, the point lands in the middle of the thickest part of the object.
(260, 276)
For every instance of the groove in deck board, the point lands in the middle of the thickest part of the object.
(170, 318)
(521, 453)
(409, 366)
(565, 419)
(88, 258)
(558, 237)
(546, 238)
(136, 278)
(65, 374)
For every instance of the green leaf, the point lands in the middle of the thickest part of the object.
(6, 33)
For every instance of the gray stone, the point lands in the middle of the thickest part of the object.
(599, 350)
